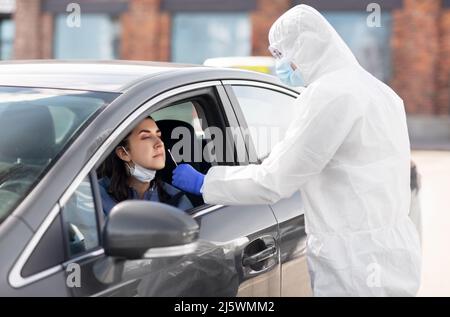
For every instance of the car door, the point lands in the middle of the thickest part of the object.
(265, 111)
(238, 248)
(252, 243)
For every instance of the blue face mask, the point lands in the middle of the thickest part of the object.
(287, 75)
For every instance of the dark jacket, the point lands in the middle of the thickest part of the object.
(179, 199)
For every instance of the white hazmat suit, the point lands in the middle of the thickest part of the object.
(348, 153)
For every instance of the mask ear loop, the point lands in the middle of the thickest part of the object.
(127, 163)
(125, 150)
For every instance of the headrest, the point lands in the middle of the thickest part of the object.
(27, 133)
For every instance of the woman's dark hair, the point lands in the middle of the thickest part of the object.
(114, 168)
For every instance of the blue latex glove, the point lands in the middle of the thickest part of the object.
(186, 178)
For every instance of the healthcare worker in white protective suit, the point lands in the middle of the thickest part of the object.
(348, 153)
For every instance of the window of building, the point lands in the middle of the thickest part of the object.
(96, 38)
(371, 45)
(199, 36)
(7, 30)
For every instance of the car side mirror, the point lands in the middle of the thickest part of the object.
(137, 229)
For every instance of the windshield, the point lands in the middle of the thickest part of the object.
(36, 125)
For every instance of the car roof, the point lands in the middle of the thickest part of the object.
(115, 76)
(107, 76)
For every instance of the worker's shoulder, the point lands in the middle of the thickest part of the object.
(331, 89)
(350, 84)
(344, 80)
(334, 95)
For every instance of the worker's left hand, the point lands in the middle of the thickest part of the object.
(186, 178)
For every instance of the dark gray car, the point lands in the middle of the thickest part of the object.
(58, 123)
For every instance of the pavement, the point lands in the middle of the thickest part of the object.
(434, 167)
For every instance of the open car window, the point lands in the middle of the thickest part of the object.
(179, 121)
(187, 127)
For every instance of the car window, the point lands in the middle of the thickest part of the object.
(49, 251)
(184, 131)
(179, 120)
(64, 119)
(267, 113)
(186, 112)
(182, 127)
(36, 125)
(80, 220)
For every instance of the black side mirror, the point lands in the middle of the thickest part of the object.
(137, 229)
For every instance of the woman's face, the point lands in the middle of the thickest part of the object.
(145, 146)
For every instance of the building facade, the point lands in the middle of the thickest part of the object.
(408, 48)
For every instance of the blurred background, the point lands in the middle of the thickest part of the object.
(409, 50)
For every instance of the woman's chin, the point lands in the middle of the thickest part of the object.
(160, 166)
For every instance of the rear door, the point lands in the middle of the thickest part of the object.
(264, 111)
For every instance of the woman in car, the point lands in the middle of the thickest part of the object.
(130, 170)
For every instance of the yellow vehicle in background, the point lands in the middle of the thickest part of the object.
(262, 64)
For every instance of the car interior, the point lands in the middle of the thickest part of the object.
(167, 126)
(33, 133)
(187, 117)
(21, 163)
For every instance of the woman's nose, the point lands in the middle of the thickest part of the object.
(158, 143)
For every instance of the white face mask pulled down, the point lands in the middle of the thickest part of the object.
(139, 172)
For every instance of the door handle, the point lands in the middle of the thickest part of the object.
(259, 257)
